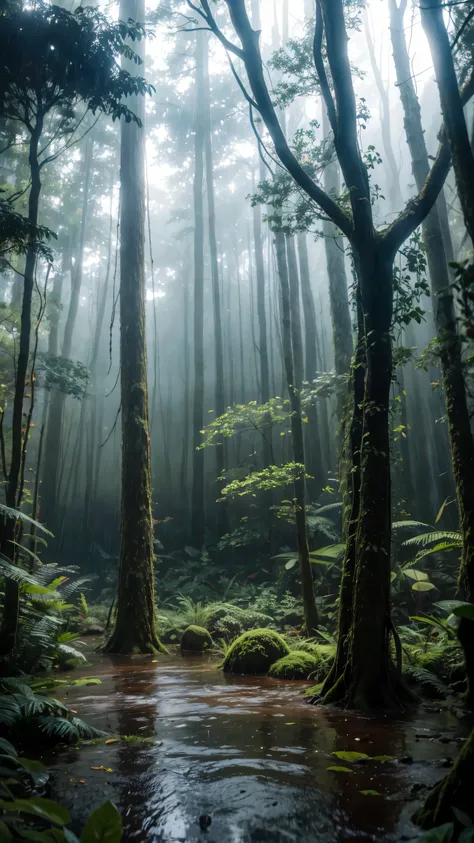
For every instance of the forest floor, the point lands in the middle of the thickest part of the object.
(247, 753)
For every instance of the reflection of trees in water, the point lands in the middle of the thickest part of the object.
(368, 813)
(136, 709)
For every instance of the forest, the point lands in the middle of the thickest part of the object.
(237, 421)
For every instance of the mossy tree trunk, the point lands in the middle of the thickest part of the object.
(135, 620)
(457, 410)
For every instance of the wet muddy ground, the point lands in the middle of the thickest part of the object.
(247, 754)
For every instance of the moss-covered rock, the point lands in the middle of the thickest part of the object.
(195, 639)
(297, 665)
(255, 651)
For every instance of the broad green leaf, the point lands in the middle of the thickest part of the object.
(290, 554)
(413, 574)
(467, 836)
(340, 769)
(45, 809)
(192, 552)
(459, 608)
(423, 586)
(103, 826)
(370, 793)
(7, 747)
(383, 758)
(290, 564)
(31, 766)
(442, 834)
(351, 756)
(332, 551)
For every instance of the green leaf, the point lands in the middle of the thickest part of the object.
(20, 516)
(103, 826)
(31, 766)
(340, 769)
(45, 809)
(290, 564)
(332, 551)
(467, 836)
(413, 574)
(462, 817)
(441, 510)
(7, 748)
(351, 756)
(383, 758)
(5, 833)
(423, 586)
(459, 608)
(442, 834)
(370, 793)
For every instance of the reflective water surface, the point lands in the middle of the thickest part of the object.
(247, 754)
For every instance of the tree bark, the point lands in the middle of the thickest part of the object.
(135, 620)
(309, 602)
(11, 603)
(197, 496)
(451, 106)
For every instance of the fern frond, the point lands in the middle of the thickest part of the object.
(433, 538)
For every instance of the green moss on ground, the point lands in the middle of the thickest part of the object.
(297, 665)
(195, 639)
(255, 651)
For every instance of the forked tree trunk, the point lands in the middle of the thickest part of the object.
(309, 602)
(197, 496)
(135, 620)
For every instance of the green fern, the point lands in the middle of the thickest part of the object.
(424, 539)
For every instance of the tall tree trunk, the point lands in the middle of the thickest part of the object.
(197, 498)
(52, 454)
(135, 620)
(451, 106)
(309, 602)
(338, 295)
(459, 427)
(222, 514)
(318, 429)
(11, 603)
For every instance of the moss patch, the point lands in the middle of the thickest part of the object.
(195, 639)
(255, 651)
(227, 621)
(297, 665)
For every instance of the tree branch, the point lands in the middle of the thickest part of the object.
(321, 70)
(418, 208)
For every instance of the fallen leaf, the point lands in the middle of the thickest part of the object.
(82, 781)
(292, 723)
(340, 769)
(370, 793)
(111, 740)
(351, 756)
